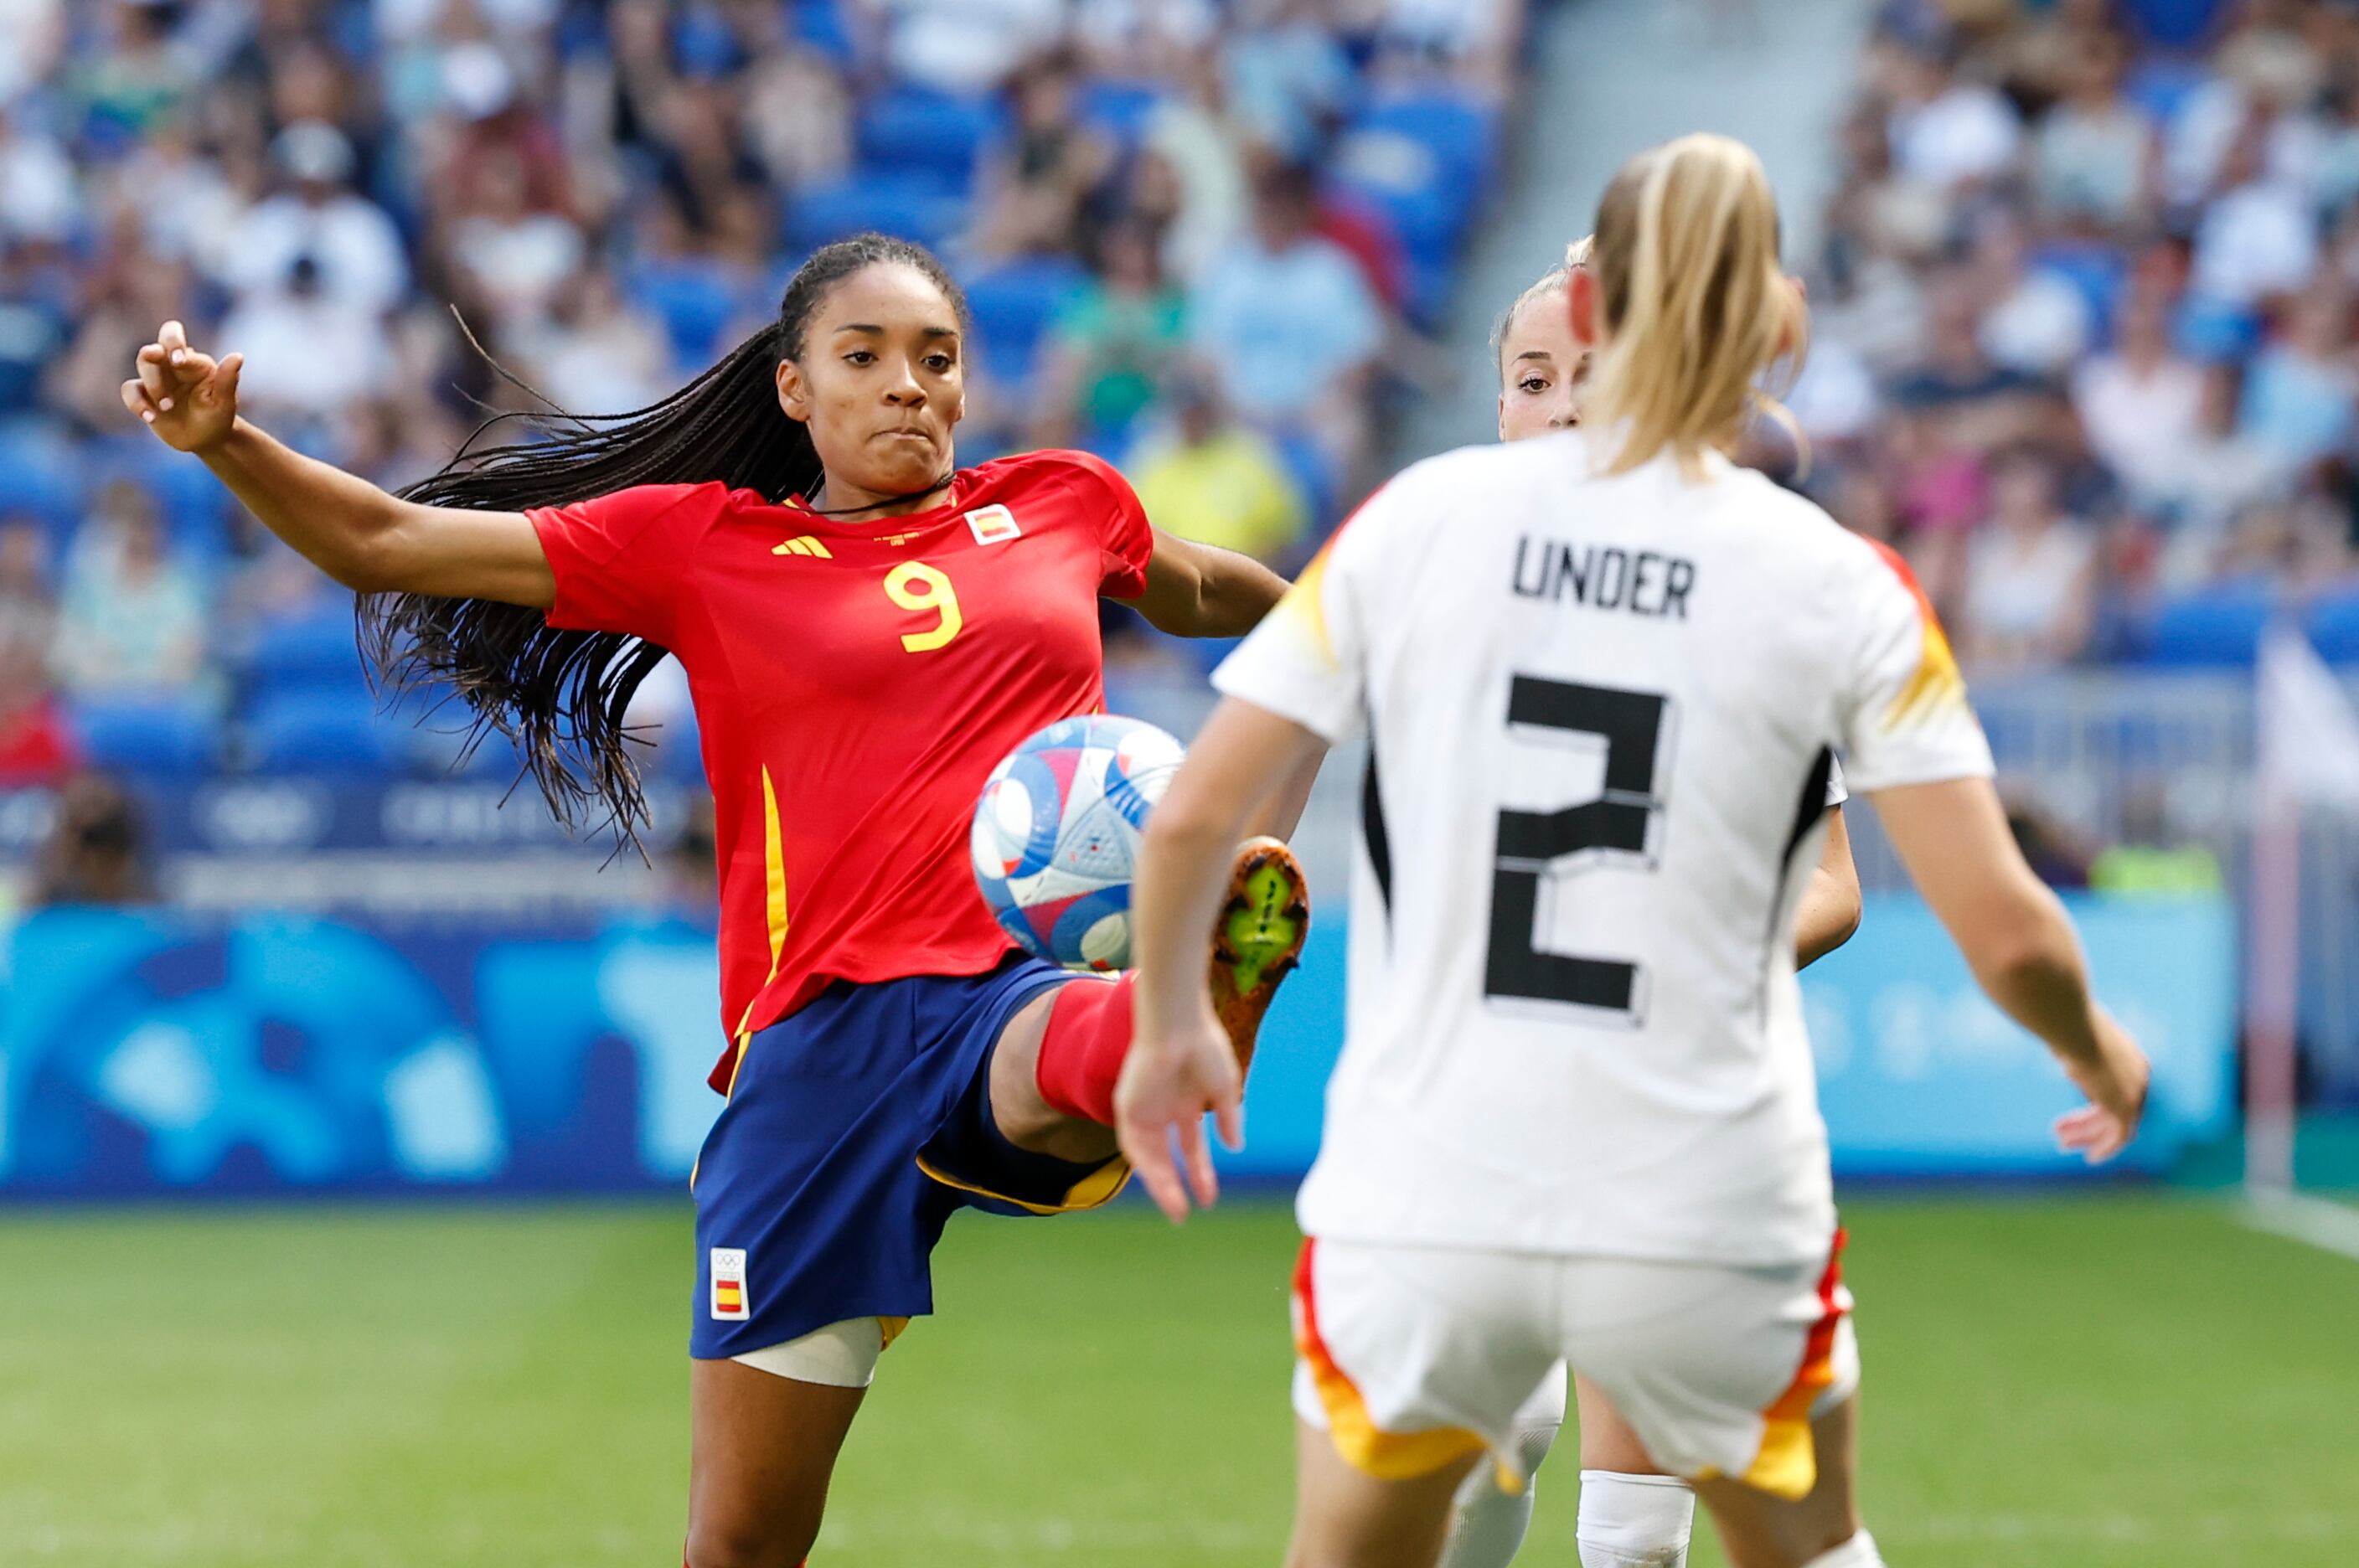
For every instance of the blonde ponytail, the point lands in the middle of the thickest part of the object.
(1695, 306)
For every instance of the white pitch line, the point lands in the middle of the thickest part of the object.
(2329, 1227)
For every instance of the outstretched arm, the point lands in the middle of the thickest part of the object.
(366, 539)
(2019, 942)
(1199, 590)
(1181, 1064)
(1830, 908)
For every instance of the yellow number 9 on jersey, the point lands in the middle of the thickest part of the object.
(914, 585)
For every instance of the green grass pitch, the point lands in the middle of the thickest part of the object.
(2125, 1379)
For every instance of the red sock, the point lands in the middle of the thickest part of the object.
(1081, 1054)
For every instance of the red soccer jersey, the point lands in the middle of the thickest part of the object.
(854, 682)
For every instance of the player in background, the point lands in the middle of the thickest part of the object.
(1632, 1515)
(866, 630)
(1602, 677)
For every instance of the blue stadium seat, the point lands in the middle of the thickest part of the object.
(321, 732)
(2217, 626)
(908, 129)
(915, 206)
(1014, 306)
(2211, 330)
(2161, 87)
(2333, 627)
(196, 506)
(2175, 23)
(1460, 132)
(143, 735)
(821, 24)
(1314, 470)
(41, 474)
(2095, 273)
(1424, 161)
(1118, 110)
(315, 652)
(693, 300)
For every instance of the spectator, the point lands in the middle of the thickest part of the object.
(1112, 346)
(309, 353)
(2256, 237)
(1288, 76)
(1946, 131)
(133, 620)
(38, 749)
(32, 40)
(596, 354)
(354, 250)
(2031, 590)
(1190, 177)
(2141, 403)
(2298, 402)
(1981, 403)
(97, 851)
(38, 198)
(2035, 321)
(29, 612)
(1210, 479)
(2094, 154)
(513, 256)
(36, 318)
(964, 46)
(1034, 190)
(1288, 323)
(2210, 477)
(797, 116)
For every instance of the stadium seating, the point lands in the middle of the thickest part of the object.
(318, 651)
(1120, 110)
(321, 732)
(40, 476)
(2214, 628)
(693, 298)
(914, 205)
(930, 133)
(2333, 627)
(1014, 305)
(147, 736)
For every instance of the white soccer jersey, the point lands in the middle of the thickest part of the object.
(1601, 715)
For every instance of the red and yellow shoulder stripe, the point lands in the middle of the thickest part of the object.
(1936, 684)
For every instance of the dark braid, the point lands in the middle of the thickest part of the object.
(560, 695)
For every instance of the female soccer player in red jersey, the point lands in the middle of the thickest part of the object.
(866, 629)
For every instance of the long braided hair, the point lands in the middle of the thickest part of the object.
(560, 695)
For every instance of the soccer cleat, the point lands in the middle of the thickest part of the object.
(1258, 940)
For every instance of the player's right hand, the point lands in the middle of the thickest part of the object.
(187, 399)
(1168, 1083)
(2116, 1086)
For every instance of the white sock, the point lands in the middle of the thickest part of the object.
(1635, 1521)
(1858, 1551)
(1489, 1527)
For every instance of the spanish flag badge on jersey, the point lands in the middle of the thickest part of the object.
(729, 1283)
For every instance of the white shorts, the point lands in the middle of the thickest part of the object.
(1416, 1358)
(841, 1355)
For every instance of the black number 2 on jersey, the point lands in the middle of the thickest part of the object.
(1619, 820)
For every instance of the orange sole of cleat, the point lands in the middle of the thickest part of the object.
(1259, 939)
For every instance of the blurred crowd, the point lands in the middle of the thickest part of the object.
(2083, 322)
(1203, 237)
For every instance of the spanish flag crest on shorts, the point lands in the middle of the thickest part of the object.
(729, 1283)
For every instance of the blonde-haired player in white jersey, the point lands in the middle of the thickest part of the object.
(1603, 675)
(1632, 1514)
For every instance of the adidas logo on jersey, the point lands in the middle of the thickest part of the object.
(806, 545)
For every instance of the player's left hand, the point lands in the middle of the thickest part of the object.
(1168, 1082)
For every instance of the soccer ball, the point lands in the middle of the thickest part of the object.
(1056, 834)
